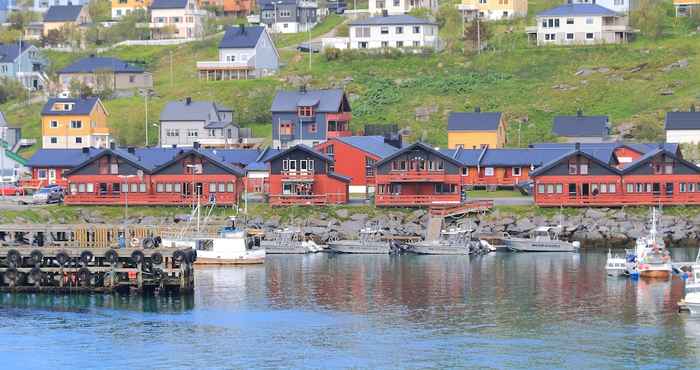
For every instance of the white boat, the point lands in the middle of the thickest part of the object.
(451, 241)
(288, 241)
(692, 288)
(369, 242)
(615, 265)
(542, 239)
(653, 260)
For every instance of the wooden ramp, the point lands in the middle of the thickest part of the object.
(469, 207)
(434, 228)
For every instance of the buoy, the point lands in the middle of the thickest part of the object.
(137, 256)
(157, 258)
(11, 274)
(62, 258)
(14, 259)
(35, 274)
(84, 275)
(179, 256)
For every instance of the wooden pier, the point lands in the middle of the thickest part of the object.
(92, 258)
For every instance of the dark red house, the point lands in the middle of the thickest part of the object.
(659, 177)
(356, 157)
(302, 176)
(418, 175)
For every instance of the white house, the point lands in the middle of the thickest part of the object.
(186, 19)
(395, 7)
(244, 52)
(393, 31)
(620, 6)
(683, 127)
(580, 24)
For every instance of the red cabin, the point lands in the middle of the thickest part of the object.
(303, 176)
(418, 175)
(580, 179)
(356, 157)
(49, 165)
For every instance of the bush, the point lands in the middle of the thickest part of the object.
(331, 54)
(10, 89)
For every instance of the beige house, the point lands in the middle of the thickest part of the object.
(105, 72)
(176, 19)
(493, 10)
(65, 15)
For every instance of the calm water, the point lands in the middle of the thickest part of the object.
(320, 311)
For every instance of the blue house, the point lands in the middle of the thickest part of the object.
(6, 6)
(25, 64)
(244, 52)
(309, 117)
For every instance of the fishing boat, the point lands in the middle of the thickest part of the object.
(652, 258)
(289, 241)
(451, 241)
(369, 242)
(542, 239)
(692, 288)
(615, 265)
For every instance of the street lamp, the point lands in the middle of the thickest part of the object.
(193, 168)
(158, 127)
(126, 198)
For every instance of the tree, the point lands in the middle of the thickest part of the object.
(20, 19)
(649, 17)
(54, 38)
(476, 34)
(9, 35)
(450, 21)
(100, 10)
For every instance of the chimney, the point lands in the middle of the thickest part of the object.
(302, 89)
(477, 109)
(174, 146)
(112, 145)
(578, 146)
(92, 55)
(242, 29)
(692, 108)
(131, 150)
(188, 100)
(195, 145)
(86, 150)
(385, 13)
(579, 113)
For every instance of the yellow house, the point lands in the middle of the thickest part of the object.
(686, 8)
(121, 8)
(476, 129)
(493, 10)
(60, 16)
(68, 123)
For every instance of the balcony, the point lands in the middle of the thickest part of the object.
(332, 134)
(617, 28)
(340, 117)
(472, 6)
(298, 176)
(412, 176)
(417, 200)
(531, 29)
(306, 200)
(221, 66)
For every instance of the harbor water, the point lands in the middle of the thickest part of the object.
(503, 310)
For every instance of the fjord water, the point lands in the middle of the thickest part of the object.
(550, 310)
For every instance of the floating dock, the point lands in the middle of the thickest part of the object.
(92, 258)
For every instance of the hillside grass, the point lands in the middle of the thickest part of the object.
(511, 76)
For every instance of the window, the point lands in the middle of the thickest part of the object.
(41, 173)
(619, 2)
(682, 188)
(517, 171)
(416, 29)
(76, 124)
(583, 168)
(306, 111)
(399, 30)
(482, 1)
(159, 188)
(550, 188)
(192, 133)
(73, 188)
(569, 36)
(488, 171)
(589, 20)
(569, 21)
(132, 79)
(612, 188)
(540, 188)
(559, 188)
(362, 45)
(285, 13)
(573, 169)
(114, 168)
(399, 44)
(229, 187)
(212, 187)
(416, 44)
(669, 168)
(397, 2)
(384, 30)
(369, 166)
(221, 187)
(172, 132)
(169, 188)
(90, 188)
(385, 44)
(441, 188)
(116, 188)
(53, 140)
(78, 140)
(286, 128)
(362, 32)
(589, 36)
(134, 187)
(603, 188)
(81, 188)
(549, 36)
(54, 124)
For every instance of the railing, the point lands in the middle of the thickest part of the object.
(144, 199)
(531, 29)
(468, 207)
(332, 134)
(297, 175)
(412, 176)
(224, 65)
(471, 6)
(416, 200)
(617, 28)
(340, 117)
(613, 199)
(306, 200)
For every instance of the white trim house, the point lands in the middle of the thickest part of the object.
(393, 31)
(395, 7)
(683, 127)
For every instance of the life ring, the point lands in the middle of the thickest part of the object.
(179, 256)
(84, 275)
(86, 257)
(14, 258)
(135, 242)
(62, 258)
(157, 258)
(35, 273)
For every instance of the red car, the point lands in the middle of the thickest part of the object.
(10, 189)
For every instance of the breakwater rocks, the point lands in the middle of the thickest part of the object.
(599, 227)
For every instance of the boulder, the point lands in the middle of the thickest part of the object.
(273, 222)
(595, 214)
(350, 228)
(523, 225)
(342, 213)
(359, 217)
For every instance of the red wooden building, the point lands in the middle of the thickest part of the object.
(47, 166)
(302, 176)
(115, 176)
(356, 157)
(418, 175)
(659, 177)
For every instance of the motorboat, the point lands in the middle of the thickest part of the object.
(652, 258)
(289, 241)
(615, 265)
(542, 239)
(369, 242)
(451, 241)
(692, 288)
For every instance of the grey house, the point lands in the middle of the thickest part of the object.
(182, 123)
(244, 52)
(582, 129)
(309, 117)
(25, 64)
(288, 16)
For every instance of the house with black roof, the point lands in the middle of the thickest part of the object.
(244, 52)
(25, 63)
(105, 73)
(683, 127)
(62, 16)
(288, 16)
(476, 129)
(582, 129)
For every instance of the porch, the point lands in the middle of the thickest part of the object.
(417, 200)
(306, 199)
(339, 124)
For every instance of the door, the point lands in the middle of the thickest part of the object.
(584, 190)
(52, 176)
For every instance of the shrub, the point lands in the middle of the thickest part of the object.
(331, 53)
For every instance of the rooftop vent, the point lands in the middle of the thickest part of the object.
(188, 100)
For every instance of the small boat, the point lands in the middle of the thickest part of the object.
(692, 288)
(288, 241)
(542, 239)
(369, 242)
(451, 241)
(615, 265)
(653, 260)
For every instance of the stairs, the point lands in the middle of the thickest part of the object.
(434, 228)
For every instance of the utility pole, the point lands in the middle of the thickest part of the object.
(171, 68)
(478, 36)
(145, 98)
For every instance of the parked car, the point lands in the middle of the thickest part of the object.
(11, 189)
(337, 7)
(305, 47)
(48, 194)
